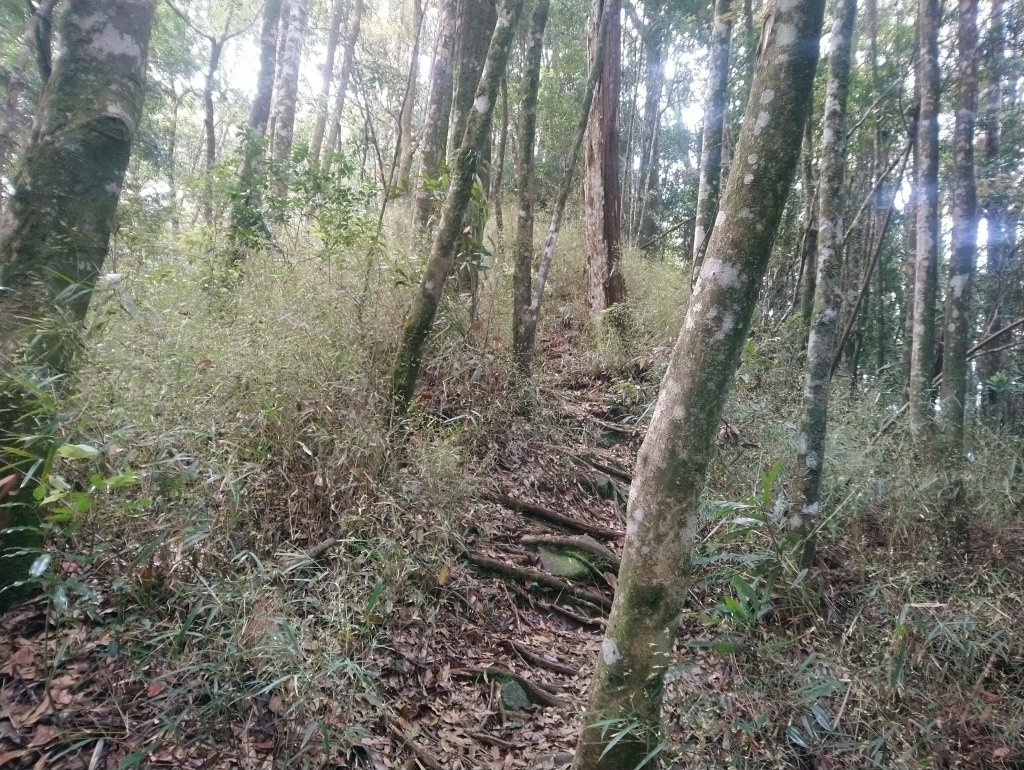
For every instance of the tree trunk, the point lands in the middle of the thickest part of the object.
(287, 86)
(809, 236)
(320, 126)
(476, 23)
(958, 322)
(59, 223)
(999, 239)
(827, 298)
(442, 252)
(649, 196)
(246, 216)
(523, 249)
(209, 126)
(621, 725)
(495, 196)
(408, 104)
(601, 202)
(565, 187)
(351, 38)
(16, 83)
(714, 132)
(926, 273)
(435, 124)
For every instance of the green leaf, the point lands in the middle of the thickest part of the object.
(796, 737)
(78, 452)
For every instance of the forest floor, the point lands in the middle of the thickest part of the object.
(876, 661)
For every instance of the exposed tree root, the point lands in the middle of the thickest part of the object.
(618, 474)
(580, 543)
(536, 692)
(537, 660)
(589, 598)
(424, 757)
(550, 517)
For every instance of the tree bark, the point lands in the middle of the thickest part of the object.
(828, 297)
(351, 38)
(565, 187)
(922, 354)
(409, 103)
(435, 124)
(648, 194)
(287, 86)
(246, 217)
(601, 184)
(16, 83)
(809, 236)
(320, 125)
(478, 125)
(714, 131)
(60, 219)
(953, 392)
(662, 514)
(522, 278)
(475, 25)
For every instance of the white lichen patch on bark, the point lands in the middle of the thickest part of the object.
(610, 652)
(725, 275)
(482, 104)
(958, 283)
(763, 119)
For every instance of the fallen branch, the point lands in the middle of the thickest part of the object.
(536, 692)
(532, 657)
(550, 517)
(542, 578)
(495, 741)
(581, 543)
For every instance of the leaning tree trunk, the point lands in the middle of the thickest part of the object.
(663, 511)
(320, 124)
(601, 185)
(714, 132)
(809, 230)
(287, 85)
(922, 353)
(442, 252)
(435, 124)
(828, 297)
(953, 392)
(59, 224)
(523, 249)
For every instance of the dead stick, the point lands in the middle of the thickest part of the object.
(548, 581)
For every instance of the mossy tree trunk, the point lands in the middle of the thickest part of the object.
(662, 514)
(61, 216)
(828, 297)
(442, 252)
(922, 355)
(247, 224)
(958, 321)
(714, 131)
(476, 20)
(522, 279)
(601, 184)
(435, 124)
(648, 197)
